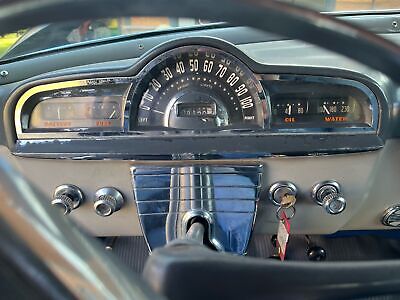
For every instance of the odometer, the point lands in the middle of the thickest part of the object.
(198, 87)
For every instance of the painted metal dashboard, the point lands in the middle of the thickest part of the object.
(114, 149)
(203, 96)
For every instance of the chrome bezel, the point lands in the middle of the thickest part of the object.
(277, 185)
(210, 220)
(75, 132)
(316, 187)
(388, 213)
(80, 145)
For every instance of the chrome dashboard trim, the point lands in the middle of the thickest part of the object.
(130, 145)
(375, 106)
(225, 195)
(77, 133)
(198, 147)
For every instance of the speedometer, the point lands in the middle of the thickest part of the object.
(198, 87)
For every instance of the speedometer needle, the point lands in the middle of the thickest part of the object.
(327, 111)
(112, 114)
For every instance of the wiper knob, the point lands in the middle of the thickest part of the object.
(67, 197)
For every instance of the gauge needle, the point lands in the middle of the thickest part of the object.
(112, 114)
(289, 110)
(58, 113)
(327, 111)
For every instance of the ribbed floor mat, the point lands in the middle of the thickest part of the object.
(364, 247)
(133, 251)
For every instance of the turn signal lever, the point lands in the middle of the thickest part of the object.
(196, 232)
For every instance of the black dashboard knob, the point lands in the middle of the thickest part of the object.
(316, 253)
(107, 201)
(67, 197)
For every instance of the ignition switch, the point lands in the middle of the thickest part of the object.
(282, 191)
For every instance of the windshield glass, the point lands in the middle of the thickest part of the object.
(56, 35)
(66, 33)
(347, 5)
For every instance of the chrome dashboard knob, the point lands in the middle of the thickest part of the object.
(107, 201)
(334, 204)
(67, 197)
(327, 194)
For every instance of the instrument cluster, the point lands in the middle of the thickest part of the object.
(200, 89)
(306, 102)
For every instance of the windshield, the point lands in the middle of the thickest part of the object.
(56, 35)
(347, 5)
(66, 33)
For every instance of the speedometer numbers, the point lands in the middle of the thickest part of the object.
(198, 88)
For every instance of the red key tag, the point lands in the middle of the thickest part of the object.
(283, 235)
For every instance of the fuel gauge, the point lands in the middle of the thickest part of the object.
(106, 110)
(77, 112)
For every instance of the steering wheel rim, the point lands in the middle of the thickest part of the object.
(272, 16)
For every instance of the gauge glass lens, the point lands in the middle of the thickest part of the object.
(319, 106)
(198, 87)
(77, 112)
(88, 107)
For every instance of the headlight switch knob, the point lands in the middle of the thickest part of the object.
(327, 194)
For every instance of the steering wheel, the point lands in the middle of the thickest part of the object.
(74, 263)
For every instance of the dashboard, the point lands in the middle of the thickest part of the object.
(190, 112)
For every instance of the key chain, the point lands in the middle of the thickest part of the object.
(284, 228)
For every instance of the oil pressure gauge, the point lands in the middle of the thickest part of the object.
(291, 110)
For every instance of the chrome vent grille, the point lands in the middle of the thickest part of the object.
(226, 193)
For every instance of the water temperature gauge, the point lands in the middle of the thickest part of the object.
(336, 106)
